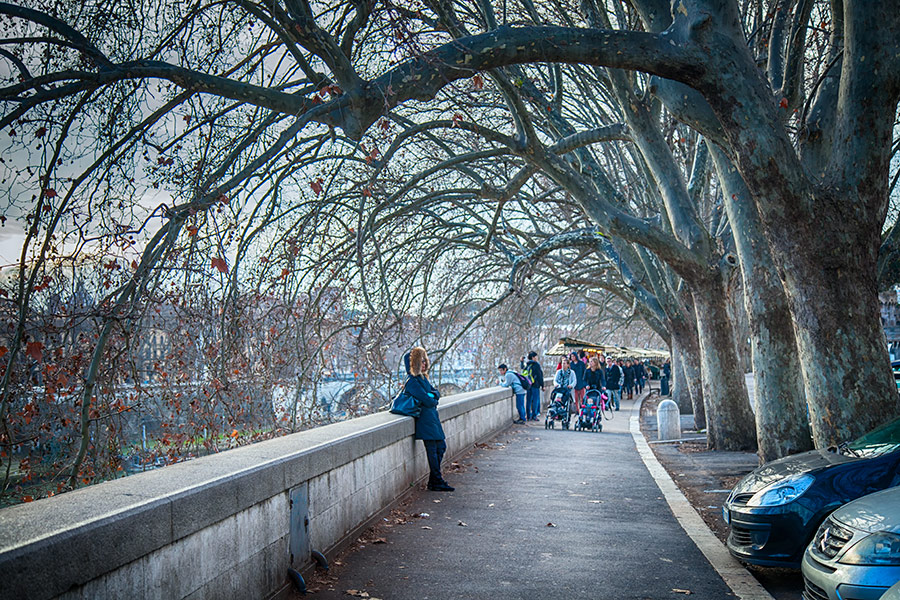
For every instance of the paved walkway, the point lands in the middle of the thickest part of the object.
(612, 535)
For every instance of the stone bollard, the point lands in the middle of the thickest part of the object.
(668, 420)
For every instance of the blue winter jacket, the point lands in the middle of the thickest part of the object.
(428, 424)
(579, 369)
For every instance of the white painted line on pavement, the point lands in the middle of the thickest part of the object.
(741, 582)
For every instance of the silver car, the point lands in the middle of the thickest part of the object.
(855, 554)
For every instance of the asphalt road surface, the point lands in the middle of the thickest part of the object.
(539, 515)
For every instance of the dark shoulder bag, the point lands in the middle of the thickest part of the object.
(406, 405)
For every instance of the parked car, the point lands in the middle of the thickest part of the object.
(855, 554)
(774, 511)
(895, 367)
(893, 593)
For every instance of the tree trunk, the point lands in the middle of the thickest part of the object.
(729, 420)
(678, 385)
(846, 367)
(822, 210)
(782, 423)
(687, 345)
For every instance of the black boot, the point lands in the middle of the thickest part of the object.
(440, 485)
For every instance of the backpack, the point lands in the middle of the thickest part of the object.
(526, 373)
(526, 384)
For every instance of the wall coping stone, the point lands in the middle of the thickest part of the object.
(82, 534)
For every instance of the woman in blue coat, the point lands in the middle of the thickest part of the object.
(428, 423)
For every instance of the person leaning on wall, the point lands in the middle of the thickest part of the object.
(428, 423)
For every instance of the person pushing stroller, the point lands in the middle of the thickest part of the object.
(565, 380)
(561, 399)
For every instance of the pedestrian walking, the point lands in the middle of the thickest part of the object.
(595, 376)
(640, 376)
(614, 379)
(535, 374)
(511, 380)
(628, 369)
(565, 379)
(428, 423)
(664, 380)
(578, 367)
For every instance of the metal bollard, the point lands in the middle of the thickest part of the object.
(668, 420)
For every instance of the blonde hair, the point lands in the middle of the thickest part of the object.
(417, 359)
(595, 361)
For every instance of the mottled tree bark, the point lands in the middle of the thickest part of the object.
(846, 367)
(690, 388)
(821, 210)
(678, 388)
(782, 425)
(729, 421)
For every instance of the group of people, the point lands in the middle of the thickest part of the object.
(575, 372)
(579, 373)
(526, 386)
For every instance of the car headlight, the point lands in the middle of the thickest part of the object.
(782, 492)
(880, 548)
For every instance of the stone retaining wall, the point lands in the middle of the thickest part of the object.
(222, 526)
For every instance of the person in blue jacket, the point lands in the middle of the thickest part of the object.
(428, 423)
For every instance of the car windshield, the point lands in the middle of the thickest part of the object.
(880, 440)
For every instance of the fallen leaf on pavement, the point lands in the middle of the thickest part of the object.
(357, 594)
(685, 592)
(596, 501)
(461, 524)
(379, 541)
(551, 524)
(425, 527)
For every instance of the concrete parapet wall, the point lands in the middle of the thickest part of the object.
(219, 526)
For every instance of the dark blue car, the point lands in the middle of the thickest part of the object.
(774, 511)
(895, 367)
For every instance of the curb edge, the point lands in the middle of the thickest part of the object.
(732, 572)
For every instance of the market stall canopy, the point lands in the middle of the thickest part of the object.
(568, 345)
(642, 352)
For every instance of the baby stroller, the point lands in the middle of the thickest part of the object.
(560, 401)
(589, 418)
(603, 403)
